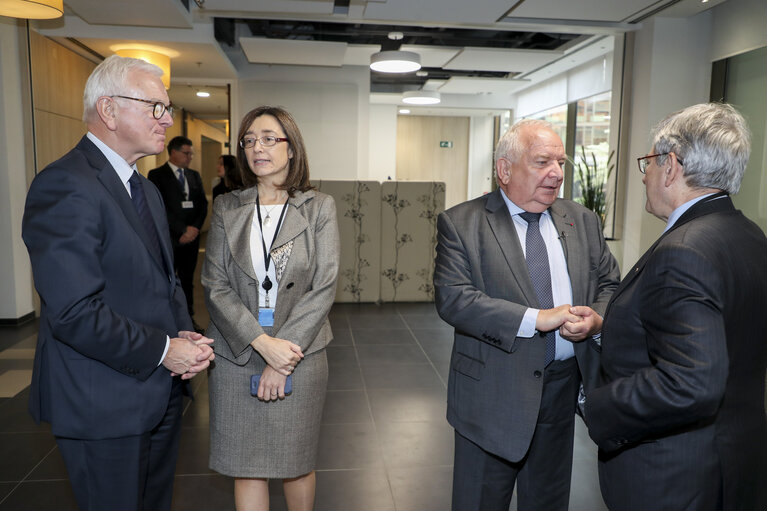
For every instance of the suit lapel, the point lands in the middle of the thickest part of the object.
(505, 234)
(575, 254)
(715, 203)
(111, 181)
(237, 223)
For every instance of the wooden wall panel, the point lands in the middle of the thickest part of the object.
(420, 157)
(55, 136)
(58, 77)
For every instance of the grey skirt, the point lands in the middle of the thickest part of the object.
(274, 439)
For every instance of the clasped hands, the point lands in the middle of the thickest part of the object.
(190, 234)
(575, 322)
(281, 357)
(188, 354)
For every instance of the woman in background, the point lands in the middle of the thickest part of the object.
(270, 279)
(229, 175)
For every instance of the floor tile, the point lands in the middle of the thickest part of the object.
(402, 377)
(383, 336)
(416, 444)
(341, 356)
(422, 489)
(363, 321)
(203, 492)
(348, 446)
(382, 354)
(412, 405)
(41, 495)
(21, 452)
(14, 381)
(346, 406)
(344, 377)
(353, 490)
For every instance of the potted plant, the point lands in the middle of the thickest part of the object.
(592, 180)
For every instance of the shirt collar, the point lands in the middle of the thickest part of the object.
(674, 216)
(123, 169)
(513, 208)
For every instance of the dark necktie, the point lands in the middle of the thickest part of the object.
(142, 208)
(182, 181)
(537, 259)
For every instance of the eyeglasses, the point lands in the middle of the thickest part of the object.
(248, 142)
(644, 161)
(159, 108)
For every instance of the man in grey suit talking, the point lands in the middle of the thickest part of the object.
(524, 278)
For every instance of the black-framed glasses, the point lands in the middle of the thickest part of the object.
(248, 142)
(644, 161)
(159, 107)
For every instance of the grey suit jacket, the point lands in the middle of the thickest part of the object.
(305, 255)
(483, 289)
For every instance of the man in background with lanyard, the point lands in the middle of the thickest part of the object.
(186, 207)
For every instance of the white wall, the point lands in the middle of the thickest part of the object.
(330, 106)
(16, 297)
(480, 156)
(739, 26)
(672, 68)
(382, 143)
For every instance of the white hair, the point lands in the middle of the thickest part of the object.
(110, 79)
(713, 142)
(510, 145)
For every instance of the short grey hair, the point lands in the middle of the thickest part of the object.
(110, 78)
(510, 144)
(712, 140)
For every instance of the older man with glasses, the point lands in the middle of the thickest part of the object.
(114, 329)
(679, 412)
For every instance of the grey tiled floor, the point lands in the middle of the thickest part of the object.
(385, 444)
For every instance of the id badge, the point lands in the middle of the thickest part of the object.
(187, 204)
(266, 317)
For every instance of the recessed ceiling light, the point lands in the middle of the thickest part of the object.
(404, 111)
(203, 94)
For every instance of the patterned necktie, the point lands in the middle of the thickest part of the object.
(142, 208)
(181, 179)
(537, 259)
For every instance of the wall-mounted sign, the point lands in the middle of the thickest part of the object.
(446, 143)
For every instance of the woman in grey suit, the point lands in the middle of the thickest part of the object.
(270, 273)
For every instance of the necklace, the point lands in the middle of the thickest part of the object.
(268, 217)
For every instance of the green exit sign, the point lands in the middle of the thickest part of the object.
(446, 143)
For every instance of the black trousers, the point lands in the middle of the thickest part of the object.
(132, 473)
(483, 481)
(185, 261)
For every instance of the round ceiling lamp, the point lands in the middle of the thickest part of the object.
(158, 59)
(32, 9)
(395, 61)
(421, 97)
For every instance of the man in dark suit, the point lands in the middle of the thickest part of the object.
(679, 413)
(506, 283)
(114, 329)
(186, 207)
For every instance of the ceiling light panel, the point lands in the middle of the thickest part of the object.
(466, 85)
(583, 10)
(486, 11)
(495, 59)
(290, 52)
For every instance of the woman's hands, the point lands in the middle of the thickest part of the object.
(281, 355)
(272, 385)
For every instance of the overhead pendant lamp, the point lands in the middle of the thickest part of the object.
(421, 97)
(395, 61)
(158, 59)
(32, 9)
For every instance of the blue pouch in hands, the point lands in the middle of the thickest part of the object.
(257, 377)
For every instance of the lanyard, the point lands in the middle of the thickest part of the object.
(267, 283)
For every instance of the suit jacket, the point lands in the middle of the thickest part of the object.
(108, 301)
(173, 194)
(483, 289)
(305, 255)
(679, 414)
